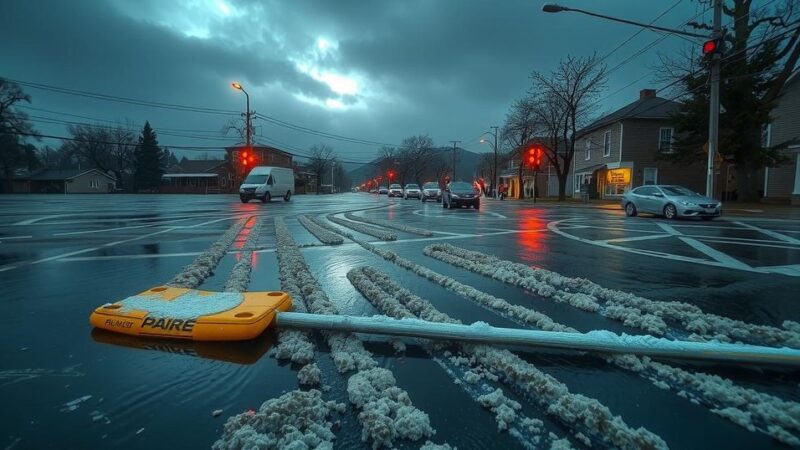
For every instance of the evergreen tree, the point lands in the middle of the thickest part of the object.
(150, 160)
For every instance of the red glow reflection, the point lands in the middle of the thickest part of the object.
(253, 259)
(532, 227)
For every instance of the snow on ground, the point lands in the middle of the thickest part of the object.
(294, 420)
(386, 411)
(770, 414)
(202, 267)
(388, 224)
(369, 281)
(362, 228)
(324, 236)
(754, 410)
(579, 413)
(649, 315)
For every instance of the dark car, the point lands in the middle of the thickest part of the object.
(458, 194)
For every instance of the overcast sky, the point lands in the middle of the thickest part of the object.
(375, 70)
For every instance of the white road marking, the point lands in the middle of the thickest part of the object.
(37, 219)
(637, 238)
(738, 265)
(64, 255)
(791, 270)
(703, 248)
(770, 233)
(771, 244)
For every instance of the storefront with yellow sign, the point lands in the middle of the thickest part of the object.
(616, 181)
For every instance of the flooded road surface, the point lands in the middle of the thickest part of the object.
(65, 385)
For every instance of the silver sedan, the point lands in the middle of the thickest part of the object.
(670, 201)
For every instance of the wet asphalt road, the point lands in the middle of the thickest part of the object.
(60, 257)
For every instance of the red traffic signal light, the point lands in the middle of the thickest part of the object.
(712, 46)
(535, 157)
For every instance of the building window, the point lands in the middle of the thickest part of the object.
(578, 182)
(588, 149)
(665, 140)
(94, 183)
(650, 175)
(766, 135)
(607, 143)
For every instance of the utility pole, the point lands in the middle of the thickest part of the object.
(454, 160)
(713, 116)
(333, 163)
(495, 181)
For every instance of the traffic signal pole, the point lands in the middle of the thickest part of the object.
(713, 113)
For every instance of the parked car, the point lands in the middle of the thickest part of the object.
(411, 191)
(670, 201)
(395, 190)
(459, 193)
(430, 190)
(383, 190)
(265, 182)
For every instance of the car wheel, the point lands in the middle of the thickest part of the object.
(477, 205)
(243, 199)
(630, 210)
(288, 196)
(670, 212)
(267, 198)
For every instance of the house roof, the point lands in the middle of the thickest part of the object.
(62, 174)
(196, 165)
(644, 108)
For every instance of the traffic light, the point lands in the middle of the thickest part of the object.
(712, 47)
(535, 158)
(390, 174)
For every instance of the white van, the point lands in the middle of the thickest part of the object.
(266, 183)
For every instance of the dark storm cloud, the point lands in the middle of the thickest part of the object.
(447, 68)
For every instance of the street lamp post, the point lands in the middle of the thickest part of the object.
(247, 114)
(713, 113)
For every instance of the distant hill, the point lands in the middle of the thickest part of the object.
(466, 165)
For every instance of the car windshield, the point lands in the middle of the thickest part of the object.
(256, 179)
(395, 186)
(460, 186)
(431, 186)
(678, 190)
(412, 186)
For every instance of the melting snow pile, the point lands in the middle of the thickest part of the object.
(324, 236)
(580, 413)
(386, 410)
(295, 420)
(203, 266)
(389, 224)
(190, 305)
(768, 414)
(362, 228)
(649, 315)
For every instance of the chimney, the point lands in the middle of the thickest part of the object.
(647, 93)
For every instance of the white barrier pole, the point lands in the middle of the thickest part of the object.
(598, 341)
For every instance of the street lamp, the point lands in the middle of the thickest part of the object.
(247, 115)
(716, 63)
(495, 178)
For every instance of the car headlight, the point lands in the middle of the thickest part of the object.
(241, 190)
(454, 195)
(685, 203)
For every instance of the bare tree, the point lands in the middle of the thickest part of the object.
(320, 161)
(415, 155)
(518, 130)
(563, 103)
(110, 149)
